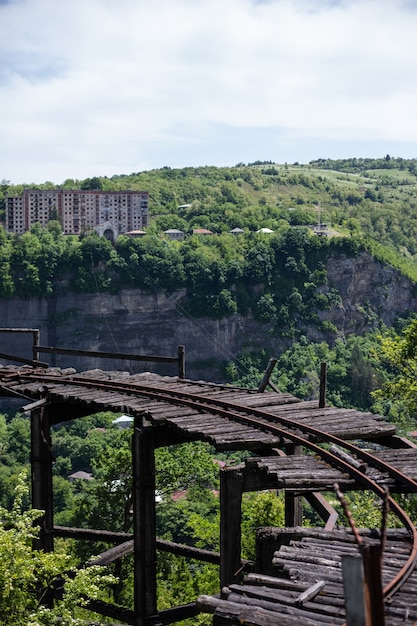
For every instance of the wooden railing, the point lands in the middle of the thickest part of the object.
(37, 349)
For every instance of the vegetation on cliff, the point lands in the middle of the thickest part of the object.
(365, 204)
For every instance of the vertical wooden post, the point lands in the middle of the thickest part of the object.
(144, 523)
(353, 585)
(323, 383)
(362, 582)
(293, 504)
(231, 488)
(41, 465)
(36, 340)
(372, 560)
(265, 380)
(181, 361)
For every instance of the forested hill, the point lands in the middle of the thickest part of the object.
(280, 277)
(374, 198)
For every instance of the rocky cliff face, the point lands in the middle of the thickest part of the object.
(147, 323)
(370, 292)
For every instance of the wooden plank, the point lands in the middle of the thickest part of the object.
(285, 603)
(310, 593)
(354, 590)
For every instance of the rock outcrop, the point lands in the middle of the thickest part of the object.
(154, 323)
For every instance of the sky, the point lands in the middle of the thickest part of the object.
(106, 87)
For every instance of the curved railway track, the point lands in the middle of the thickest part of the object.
(307, 436)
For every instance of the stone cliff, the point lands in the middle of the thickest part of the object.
(148, 323)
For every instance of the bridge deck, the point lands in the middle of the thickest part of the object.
(224, 434)
(295, 563)
(301, 558)
(307, 473)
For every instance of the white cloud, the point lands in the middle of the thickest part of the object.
(101, 88)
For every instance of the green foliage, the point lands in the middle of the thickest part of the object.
(265, 508)
(366, 509)
(399, 352)
(353, 372)
(106, 501)
(369, 201)
(26, 574)
(181, 581)
(184, 466)
(191, 518)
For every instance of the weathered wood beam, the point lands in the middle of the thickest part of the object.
(231, 489)
(188, 551)
(109, 556)
(89, 534)
(323, 384)
(18, 359)
(323, 508)
(144, 523)
(181, 361)
(173, 615)
(293, 503)
(113, 611)
(265, 380)
(41, 465)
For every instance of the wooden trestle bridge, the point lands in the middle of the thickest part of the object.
(303, 448)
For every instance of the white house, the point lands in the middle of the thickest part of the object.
(174, 233)
(124, 421)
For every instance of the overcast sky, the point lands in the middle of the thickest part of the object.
(102, 87)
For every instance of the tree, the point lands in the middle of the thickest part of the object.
(185, 466)
(399, 351)
(264, 508)
(106, 501)
(362, 378)
(92, 183)
(259, 262)
(265, 310)
(6, 280)
(18, 436)
(27, 574)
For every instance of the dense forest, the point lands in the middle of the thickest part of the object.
(366, 204)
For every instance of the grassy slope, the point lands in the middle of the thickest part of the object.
(374, 200)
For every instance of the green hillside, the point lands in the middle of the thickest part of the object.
(280, 277)
(373, 199)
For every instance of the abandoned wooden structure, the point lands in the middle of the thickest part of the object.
(172, 410)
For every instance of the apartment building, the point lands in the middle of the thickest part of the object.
(108, 212)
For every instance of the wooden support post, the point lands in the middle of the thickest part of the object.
(372, 562)
(293, 504)
(41, 465)
(293, 510)
(181, 361)
(353, 584)
(323, 383)
(36, 341)
(144, 523)
(265, 380)
(362, 582)
(323, 508)
(231, 488)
